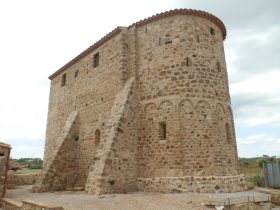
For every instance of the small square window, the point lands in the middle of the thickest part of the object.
(95, 60)
(63, 80)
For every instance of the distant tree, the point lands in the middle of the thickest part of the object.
(265, 156)
(12, 165)
(261, 162)
(271, 159)
(246, 163)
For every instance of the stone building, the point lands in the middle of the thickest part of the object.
(4, 158)
(146, 108)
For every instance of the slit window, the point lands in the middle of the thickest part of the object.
(228, 133)
(197, 39)
(168, 41)
(95, 60)
(218, 66)
(97, 135)
(76, 73)
(162, 130)
(188, 62)
(63, 80)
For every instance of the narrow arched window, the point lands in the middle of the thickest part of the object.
(162, 126)
(228, 133)
(97, 135)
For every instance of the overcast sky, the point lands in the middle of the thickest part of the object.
(38, 37)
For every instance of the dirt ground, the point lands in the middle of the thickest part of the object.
(135, 201)
(79, 200)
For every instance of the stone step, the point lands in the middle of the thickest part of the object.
(7, 203)
(227, 201)
(26, 204)
(263, 190)
(29, 204)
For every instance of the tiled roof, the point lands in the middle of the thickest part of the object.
(198, 13)
(159, 16)
(4, 145)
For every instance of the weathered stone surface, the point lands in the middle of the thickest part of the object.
(9, 204)
(213, 184)
(275, 197)
(4, 158)
(152, 113)
(23, 179)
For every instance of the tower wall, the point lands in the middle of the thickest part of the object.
(4, 162)
(91, 91)
(183, 84)
(154, 115)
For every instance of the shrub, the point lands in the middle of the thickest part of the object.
(257, 180)
(261, 162)
(35, 167)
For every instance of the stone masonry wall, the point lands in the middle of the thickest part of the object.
(4, 158)
(91, 91)
(156, 104)
(61, 170)
(183, 84)
(23, 179)
(115, 166)
(205, 184)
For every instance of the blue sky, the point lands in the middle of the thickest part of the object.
(38, 37)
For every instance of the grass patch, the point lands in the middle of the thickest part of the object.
(252, 168)
(28, 171)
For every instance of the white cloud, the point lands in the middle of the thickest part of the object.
(256, 100)
(265, 83)
(23, 151)
(258, 138)
(258, 145)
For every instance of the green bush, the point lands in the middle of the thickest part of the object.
(245, 163)
(35, 167)
(257, 180)
(261, 161)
